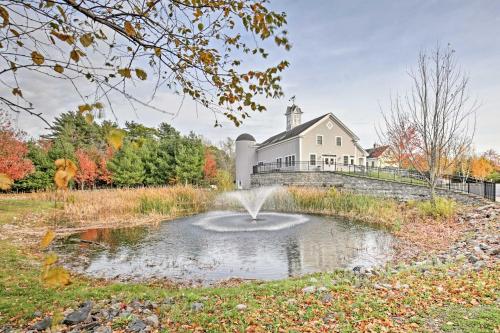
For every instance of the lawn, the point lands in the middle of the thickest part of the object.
(403, 298)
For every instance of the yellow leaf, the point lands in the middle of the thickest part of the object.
(98, 105)
(86, 39)
(84, 107)
(5, 182)
(125, 72)
(58, 68)
(129, 29)
(4, 14)
(50, 259)
(47, 239)
(64, 37)
(89, 118)
(115, 138)
(157, 51)
(66, 170)
(141, 74)
(74, 55)
(56, 277)
(37, 58)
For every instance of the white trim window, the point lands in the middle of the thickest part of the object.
(279, 161)
(346, 160)
(289, 160)
(338, 141)
(312, 159)
(319, 139)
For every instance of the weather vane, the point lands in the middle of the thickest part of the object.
(292, 99)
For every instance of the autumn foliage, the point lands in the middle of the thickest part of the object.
(13, 151)
(210, 166)
(481, 167)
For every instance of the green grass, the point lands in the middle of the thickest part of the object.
(272, 306)
(479, 319)
(11, 208)
(441, 208)
(387, 176)
(155, 205)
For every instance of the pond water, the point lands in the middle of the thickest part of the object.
(220, 245)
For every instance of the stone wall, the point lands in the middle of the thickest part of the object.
(364, 185)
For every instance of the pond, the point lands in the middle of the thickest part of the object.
(216, 246)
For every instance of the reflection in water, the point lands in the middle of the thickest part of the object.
(182, 250)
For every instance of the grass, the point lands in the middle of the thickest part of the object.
(12, 208)
(441, 208)
(273, 306)
(477, 319)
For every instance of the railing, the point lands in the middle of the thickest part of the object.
(452, 183)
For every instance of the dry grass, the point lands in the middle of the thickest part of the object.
(113, 207)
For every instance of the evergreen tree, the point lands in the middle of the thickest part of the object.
(126, 167)
(43, 176)
(189, 160)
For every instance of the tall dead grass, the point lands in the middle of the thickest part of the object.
(122, 207)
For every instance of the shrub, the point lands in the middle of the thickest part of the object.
(442, 207)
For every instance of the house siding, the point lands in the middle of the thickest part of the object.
(269, 154)
(329, 146)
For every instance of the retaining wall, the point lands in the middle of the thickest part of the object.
(359, 184)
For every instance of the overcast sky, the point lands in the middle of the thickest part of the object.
(348, 57)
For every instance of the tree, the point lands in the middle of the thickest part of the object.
(13, 151)
(189, 160)
(126, 167)
(400, 136)
(440, 111)
(226, 156)
(481, 168)
(87, 169)
(191, 47)
(494, 158)
(43, 176)
(209, 166)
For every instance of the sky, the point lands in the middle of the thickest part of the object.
(348, 58)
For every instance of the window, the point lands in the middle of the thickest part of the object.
(373, 164)
(339, 141)
(261, 163)
(278, 162)
(319, 139)
(352, 160)
(346, 160)
(289, 160)
(312, 159)
(360, 161)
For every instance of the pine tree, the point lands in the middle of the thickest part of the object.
(126, 167)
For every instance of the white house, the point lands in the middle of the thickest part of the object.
(323, 143)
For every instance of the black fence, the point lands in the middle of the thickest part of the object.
(452, 183)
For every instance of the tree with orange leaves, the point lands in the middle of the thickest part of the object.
(13, 162)
(481, 167)
(210, 165)
(87, 169)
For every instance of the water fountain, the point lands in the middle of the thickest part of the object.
(252, 200)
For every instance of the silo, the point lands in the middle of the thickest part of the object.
(245, 159)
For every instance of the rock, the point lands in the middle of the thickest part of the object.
(322, 289)
(478, 265)
(484, 247)
(37, 314)
(137, 325)
(196, 306)
(103, 329)
(309, 289)
(241, 307)
(327, 298)
(152, 320)
(358, 270)
(43, 324)
(379, 287)
(472, 259)
(79, 315)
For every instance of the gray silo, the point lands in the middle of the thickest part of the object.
(245, 159)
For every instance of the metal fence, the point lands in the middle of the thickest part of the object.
(451, 183)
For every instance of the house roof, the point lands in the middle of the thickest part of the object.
(291, 133)
(297, 130)
(376, 151)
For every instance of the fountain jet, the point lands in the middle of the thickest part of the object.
(253, 199)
